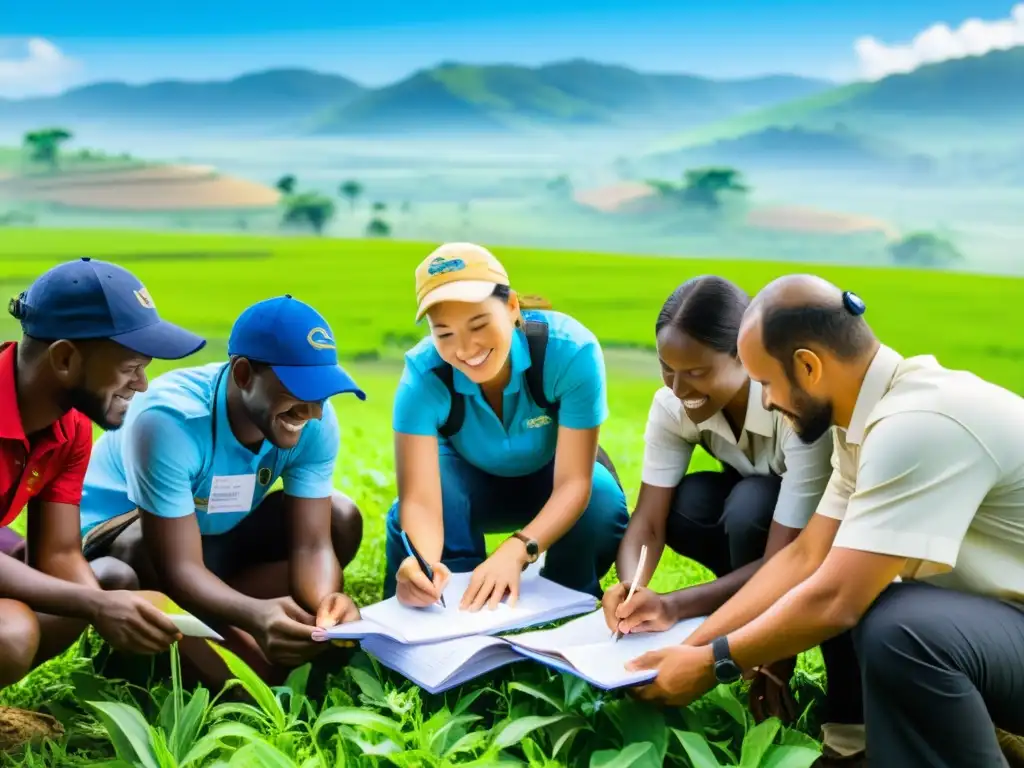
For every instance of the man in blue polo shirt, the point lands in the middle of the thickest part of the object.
(180, 493)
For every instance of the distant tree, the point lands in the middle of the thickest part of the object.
(925, 249)
(379, 207)
(378, 228)
(705, 187)
(286, 184)
(309, 208)
(561, 186)
(45, 144)
(351, 190)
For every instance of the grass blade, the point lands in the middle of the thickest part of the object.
(353, 716)
(622, 758)
(253, 685)
(517, 730)
(529, 690)
(262, 754)
(697, 749)
(791, 757)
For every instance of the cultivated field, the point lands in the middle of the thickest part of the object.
(523, 715)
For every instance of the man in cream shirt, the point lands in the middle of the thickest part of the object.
(927, 491)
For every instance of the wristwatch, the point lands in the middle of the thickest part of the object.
(532, 547)
(726, 670)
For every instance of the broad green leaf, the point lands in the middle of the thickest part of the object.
(231, 729)
(262, 754)
(368, 684)
(622, 758)
(791, 737)
(517, 730)
(724, 697)
(529, 690)
(128, 732)
(757, 741)
(253, 685)
(470, 742)
(564, 739)
(790, 757)
(202, 749)
(382, 748)
(465, 702)
(298, 679)
(445, 729)
(162, 753)
(246, 711)
(639, 722)
(353, 716)
(189, 723)
(573, 688)
(697, 749)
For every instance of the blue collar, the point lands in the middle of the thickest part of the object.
(519, 355)
(224, 435)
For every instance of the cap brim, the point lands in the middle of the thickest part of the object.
(313, 383)
(162, 341)
(471, 291)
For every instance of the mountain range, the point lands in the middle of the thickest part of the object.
(444, 98)
(940, 110)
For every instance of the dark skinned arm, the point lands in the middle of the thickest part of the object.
(175, 547)
(54, 543)
(47, 594)
(646, 527)
(705, 599)
(313, 568)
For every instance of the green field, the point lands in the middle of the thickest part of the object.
(365, 289)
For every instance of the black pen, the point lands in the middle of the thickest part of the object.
(423, 563)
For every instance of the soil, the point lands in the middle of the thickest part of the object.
(18, 727)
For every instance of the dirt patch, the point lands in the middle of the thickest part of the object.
(158, 188)
(19, 727)
(798, 219)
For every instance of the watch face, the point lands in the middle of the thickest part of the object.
(727, 671)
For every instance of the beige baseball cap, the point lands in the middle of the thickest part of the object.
(457, 272)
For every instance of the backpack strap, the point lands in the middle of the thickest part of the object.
(537, 340)
(457, 411)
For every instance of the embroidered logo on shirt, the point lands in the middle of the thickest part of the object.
(538, 421)
(200, 502)
(264, 475)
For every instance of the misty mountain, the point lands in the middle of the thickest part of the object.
(577, 93)
(936, 110)
(274, 98)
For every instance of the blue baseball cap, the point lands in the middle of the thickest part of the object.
(91, 299)
(296, 342)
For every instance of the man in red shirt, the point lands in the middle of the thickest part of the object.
(89, 330)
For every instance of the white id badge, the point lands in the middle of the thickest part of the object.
(231, 493)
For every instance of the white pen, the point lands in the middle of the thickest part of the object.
(632, 588)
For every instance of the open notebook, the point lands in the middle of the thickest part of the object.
(540, 601)
(583, 647)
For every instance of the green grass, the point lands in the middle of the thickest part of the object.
(365, 290)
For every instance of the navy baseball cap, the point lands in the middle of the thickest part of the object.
(91, 299)
(296, 342)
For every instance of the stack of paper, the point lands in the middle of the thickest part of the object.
(583, 647)
(540, 601)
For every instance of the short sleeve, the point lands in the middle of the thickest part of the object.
(421, 403)
(66, 487)
(160, 459)
(837, 491)
(921, 479)
(310, 471)
(667, 453)
(808, 467)
(581, 390)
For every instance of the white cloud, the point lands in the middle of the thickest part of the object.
(939, 43)
(34, 67)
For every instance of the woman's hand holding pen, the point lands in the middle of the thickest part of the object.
(415, 589)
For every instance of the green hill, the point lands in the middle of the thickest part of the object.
(279, 97)
(571, 93)
(976, 100)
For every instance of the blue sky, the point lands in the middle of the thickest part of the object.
(376, 43)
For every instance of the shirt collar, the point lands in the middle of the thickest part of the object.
(876, 383)
(10, 419)
(11, 427)
(224, 431)
(519, 356)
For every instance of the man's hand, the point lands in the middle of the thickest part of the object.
(770, 695)
(685, 673)
(646, 611)
(131, 623)
(414, 589)
(286, 633)
(497, 575)
(336, 608)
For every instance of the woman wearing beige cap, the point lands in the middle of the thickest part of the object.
(496, 425)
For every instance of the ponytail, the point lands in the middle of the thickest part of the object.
(526, 301)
